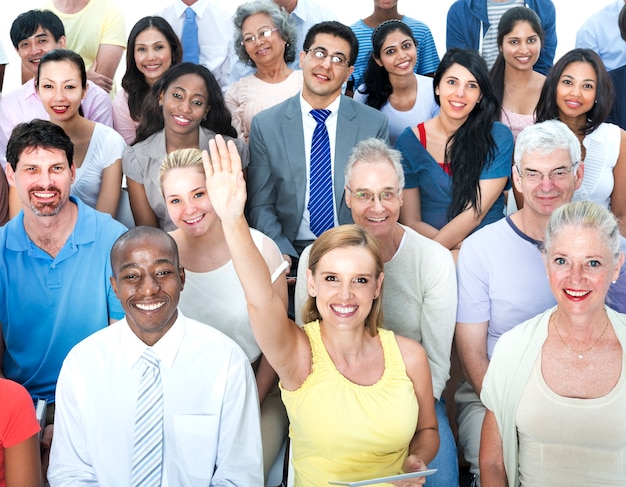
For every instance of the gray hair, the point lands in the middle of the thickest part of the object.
(280, 18)
(545, 138)
(585, 214)
(375, 150)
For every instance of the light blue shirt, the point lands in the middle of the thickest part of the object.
(600, 33)
(48, 305)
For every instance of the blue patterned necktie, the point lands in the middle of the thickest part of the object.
(189, 40)
(148, 445)
(321, 178)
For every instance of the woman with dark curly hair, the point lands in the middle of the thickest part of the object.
(264, 39)
(579, 92)
(152, 48)
(185, 109)
(390, 83)
(455, 179)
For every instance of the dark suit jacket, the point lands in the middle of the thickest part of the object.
(277, 171)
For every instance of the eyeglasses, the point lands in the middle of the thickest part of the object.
(320, 54)
(369, 197)
(264, 33)
(558, 174)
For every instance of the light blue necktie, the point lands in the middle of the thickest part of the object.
(321, 178)
(189, 40)
(148, 445)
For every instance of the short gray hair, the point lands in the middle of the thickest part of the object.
(280, 18)
(585, 214)
(375, 150)
(545, 138)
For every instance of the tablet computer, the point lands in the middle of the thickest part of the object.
(391, 478)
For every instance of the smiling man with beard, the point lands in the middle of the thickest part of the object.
(54, 264)
(200, 425)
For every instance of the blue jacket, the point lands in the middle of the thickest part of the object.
(465, 18)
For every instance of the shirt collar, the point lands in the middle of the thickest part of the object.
(333, 107)
(165, 349)
(199, 7)
(84, 231)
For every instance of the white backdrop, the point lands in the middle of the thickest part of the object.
(570, 15)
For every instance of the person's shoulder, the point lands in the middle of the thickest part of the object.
(416, 25)
(421, 244)
(211, 340)
(285, 107)
(97, 345)
(542, 7)
(459, 6)
(364, 113)
(501, 131)
(489, 236)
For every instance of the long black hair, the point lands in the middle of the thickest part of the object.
(134, 82)
(218, 119)
(508, 21)
(376, 78)
(472, 147)
(547, 108)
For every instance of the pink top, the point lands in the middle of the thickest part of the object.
(516, 121)
(24, 105)
(123, 123)
(250, 95)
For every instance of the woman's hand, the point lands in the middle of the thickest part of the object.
(412, 464)
(224, 179)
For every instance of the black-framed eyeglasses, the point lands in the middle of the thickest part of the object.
(320, 54)
(369, 197)
(264, 33)
(558, 174)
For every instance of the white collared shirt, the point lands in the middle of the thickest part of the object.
(211, 410)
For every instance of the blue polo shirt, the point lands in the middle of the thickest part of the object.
(48, 305)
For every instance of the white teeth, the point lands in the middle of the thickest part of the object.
(457, 104)
(195, 220)
(377, 220)
(149, 307)
(344, 309)
(576, 294)
(182, 119)
(44, 195)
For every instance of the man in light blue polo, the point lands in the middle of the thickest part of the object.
(54, 262)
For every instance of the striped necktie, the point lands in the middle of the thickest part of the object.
(189, 39)
(322, 216)
(148, 445)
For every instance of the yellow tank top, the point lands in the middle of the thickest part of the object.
(344, 431)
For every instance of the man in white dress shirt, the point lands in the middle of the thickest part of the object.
(210, 432)
(215, 35)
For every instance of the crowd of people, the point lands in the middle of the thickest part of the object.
(328, 231)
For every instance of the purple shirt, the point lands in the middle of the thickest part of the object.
(24, 105)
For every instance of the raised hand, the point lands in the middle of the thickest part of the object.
(224, 179)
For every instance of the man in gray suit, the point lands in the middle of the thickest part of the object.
(281, 139)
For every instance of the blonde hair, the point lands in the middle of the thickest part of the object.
(341, 237)
(180, 159)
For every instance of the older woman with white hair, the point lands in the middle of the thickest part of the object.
(555, 389)
(264, 39)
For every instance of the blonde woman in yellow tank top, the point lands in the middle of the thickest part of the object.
(359, 398)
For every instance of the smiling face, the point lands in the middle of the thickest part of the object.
(264, 51)
(185, 103)
(580, 268)
(322, 79)
(344, 285)
(542, 198)
(377, 217)
(187, 201)
(458, 92)
(398, 54)
(60, 89)
(153, 54)
(33, 48)
(42, 178)
(576, 90)
(521, 47)
(148, 280)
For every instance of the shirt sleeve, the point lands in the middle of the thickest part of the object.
(114, 26)
(17, 415)
(123, 123)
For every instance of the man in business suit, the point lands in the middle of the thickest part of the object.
(279, 177)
